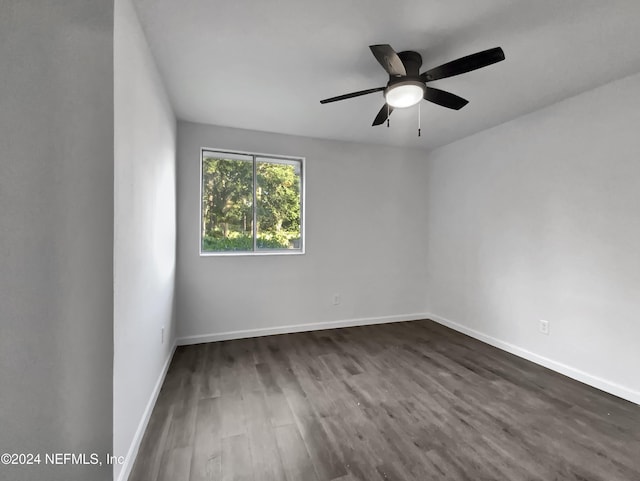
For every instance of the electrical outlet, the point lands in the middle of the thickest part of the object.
(544, 327)
(162, 335)
(336, 299)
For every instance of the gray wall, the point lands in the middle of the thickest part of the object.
(364, 239)
(56, 232)
(538, 219)
(145, 233)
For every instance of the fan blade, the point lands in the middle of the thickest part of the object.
(464, 64)
(389, 60)
(351, 95)
(445, 99)
(385, 111)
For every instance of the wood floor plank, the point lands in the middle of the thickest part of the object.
(206, 461)
(295, 458)
(152, 447)
(176, 465)
(267, 465)
(404, 401)
(348, 477)
(357, 447)
(236, 459)
(183, 425)
(279, 411)
(232, 422)
(211, 370)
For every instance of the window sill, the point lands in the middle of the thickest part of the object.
(292, 252)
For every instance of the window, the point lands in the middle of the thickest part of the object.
(251, 203)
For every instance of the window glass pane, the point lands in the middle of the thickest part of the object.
(278, 190)
(227, 202)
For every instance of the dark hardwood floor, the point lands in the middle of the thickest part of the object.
(404, 401)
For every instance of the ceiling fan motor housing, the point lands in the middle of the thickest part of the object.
(406, 90)
(412, 62)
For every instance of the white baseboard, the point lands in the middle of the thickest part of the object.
(130, 458)
(569, 371)
(316, 326)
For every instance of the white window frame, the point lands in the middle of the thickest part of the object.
(255, 252)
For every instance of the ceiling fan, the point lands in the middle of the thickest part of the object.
(407, 86)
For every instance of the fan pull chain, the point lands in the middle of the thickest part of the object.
(388, 114)
(419, 120)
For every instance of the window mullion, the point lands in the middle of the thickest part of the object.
(255, 207)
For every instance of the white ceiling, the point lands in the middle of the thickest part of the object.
(265, 64)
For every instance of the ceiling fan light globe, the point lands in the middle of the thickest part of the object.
(405, 94)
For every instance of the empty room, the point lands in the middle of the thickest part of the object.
(319, 241)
